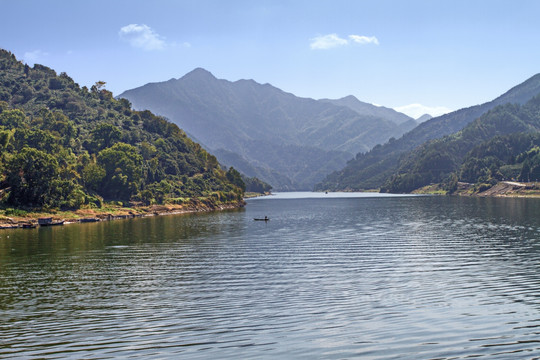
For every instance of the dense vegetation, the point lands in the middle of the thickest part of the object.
(501, 144)
(373, 169)
(63, 146)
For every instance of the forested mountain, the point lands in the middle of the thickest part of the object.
(63, 146)
(471, 155)
(372, 169)
(295, 141)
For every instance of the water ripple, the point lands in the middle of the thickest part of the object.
(374, 278)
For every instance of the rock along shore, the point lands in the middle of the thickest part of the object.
(31, 220)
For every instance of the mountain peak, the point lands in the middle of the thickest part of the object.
(350, 98)
(199, 73)
(424, 117)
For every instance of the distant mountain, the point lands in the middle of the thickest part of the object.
(369, 109)
(372, 169)
(436, 160)
(298, 140)
(424, 118)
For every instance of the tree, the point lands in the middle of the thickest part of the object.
(104, 136)
(92, 175)
(30, 174)
(98, 86)
(235, 178)
(12, 118)
(525, 171)
(123, 171)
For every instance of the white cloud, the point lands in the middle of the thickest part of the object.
(363, 40)
(329, 41)
(417, 110)
(142, 36)
(32, 57)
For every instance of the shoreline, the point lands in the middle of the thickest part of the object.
(502, 189)
(30, 220)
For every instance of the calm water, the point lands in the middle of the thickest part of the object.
(327, 277)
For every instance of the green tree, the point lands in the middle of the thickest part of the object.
(93, 175)
(12, 118)
(123, 170)
(525, 171)
(104, 136)
(30, 174)
(235, 178)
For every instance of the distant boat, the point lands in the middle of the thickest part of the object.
(49, 222)
(262, 219)
(29, 226)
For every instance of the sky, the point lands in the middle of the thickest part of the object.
(429, 56)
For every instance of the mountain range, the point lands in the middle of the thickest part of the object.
(372, 169)
(288, 141)
(435, 161)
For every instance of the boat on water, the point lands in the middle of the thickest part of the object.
(29, 226)
(48, 221)
(262, 219)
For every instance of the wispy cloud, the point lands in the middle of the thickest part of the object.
(142, 36)
(417, 110)
(364, 40)
(330, 41)
(32, 57)
(327, 42)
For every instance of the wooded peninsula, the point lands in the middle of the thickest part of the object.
(69, 148)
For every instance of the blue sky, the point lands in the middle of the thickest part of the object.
(442, 55)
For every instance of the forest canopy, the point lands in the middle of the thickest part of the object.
(65, 146)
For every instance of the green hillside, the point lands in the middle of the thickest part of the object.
(501, 144)
(370, 170)
(65, 146)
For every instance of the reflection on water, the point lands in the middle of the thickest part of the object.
(368, 277)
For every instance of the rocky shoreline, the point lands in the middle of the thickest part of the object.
(500, 189)
(33, 220)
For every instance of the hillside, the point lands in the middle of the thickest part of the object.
(372, 169)
(274, 131)
(67, 147)
(424, 118)
(471, 154)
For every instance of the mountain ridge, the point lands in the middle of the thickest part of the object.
(353, 103)
(435, 161)
(372, 169)
(234, 116)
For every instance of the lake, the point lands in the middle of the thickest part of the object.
(330, 276)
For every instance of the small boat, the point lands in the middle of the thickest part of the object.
(29, 226)
(49, 222)
(262, 219)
